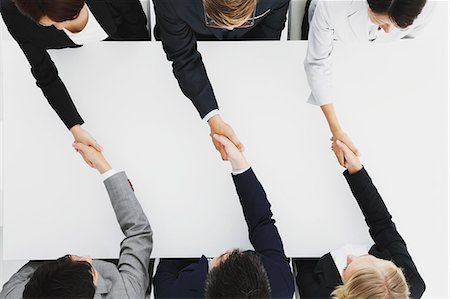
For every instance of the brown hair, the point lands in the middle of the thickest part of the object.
(229, 12)
(56, 10)
(387, 282)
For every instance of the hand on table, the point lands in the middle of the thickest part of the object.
(92, 157)
(341, 136)
(351, 161)
(219, 127)
(82, 136)
(233, 154)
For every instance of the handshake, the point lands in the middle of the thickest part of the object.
(95, 159)
(224, 140)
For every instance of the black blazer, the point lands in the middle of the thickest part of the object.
(186, 279)
(121, 20)
(319, 280)
(179, 23)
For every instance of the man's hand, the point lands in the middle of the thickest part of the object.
(341, 136)
(352, 162)
(219, 127)
(83, 136)
(92, 157)
(233, 154)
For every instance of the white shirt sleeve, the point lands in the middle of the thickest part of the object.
(211, 114)
(108, 174)
(239, 171)
(318, 61)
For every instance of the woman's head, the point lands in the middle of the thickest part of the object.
(370, 277)
(45, 12)
(400, 13)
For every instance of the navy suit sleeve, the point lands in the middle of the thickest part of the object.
(180, 45)
(263, 233)
(42, 66)
(382, 228)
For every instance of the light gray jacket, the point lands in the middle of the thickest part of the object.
(130, 278)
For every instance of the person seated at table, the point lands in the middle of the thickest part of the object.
(384, 270)
(56, 24)
(352, 21)
(262, 273)
(181, 23)
(73, 276)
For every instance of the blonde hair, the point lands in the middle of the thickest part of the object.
(385, 282)
(229, 12)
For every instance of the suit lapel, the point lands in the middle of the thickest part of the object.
(357, 18)
(102, 13)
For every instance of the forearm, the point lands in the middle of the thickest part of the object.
(331, 117)
(373, 208)
(136, 247)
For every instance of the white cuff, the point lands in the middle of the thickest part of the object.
(108, 174)
(239, 171)
(211, 114)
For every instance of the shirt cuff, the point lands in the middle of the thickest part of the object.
(211, 114)
(108, 174)
(239, 171)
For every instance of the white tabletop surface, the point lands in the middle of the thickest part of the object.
(391, 98)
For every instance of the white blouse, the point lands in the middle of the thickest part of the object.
(92, 32)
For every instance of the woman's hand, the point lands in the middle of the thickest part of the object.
(351, 161)
(233, 154)
(84, 137)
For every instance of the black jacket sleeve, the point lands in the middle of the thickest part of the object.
(42, 66)
(382, 228)
(180, 45)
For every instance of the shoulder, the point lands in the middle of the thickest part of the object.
(8, 9)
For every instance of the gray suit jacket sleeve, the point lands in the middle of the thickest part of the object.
(13, 289)
(135, 249)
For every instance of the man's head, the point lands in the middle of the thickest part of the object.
(370, 277)
(229, 13)
(50, 12)
(394, 13)
(237, 274)
(67, 277)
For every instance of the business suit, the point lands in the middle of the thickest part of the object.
(180, 23)
(121, 20)
(319, 280)
(186, 279)
(130, 278)
(345, 21)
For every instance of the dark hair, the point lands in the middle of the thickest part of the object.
(241, 275)
(62, 278)
(56, 10)
(402, 12)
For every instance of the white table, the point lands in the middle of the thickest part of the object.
(132, 104)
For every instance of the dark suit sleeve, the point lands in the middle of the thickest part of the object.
(134, 21)
(382, 228)
(42, 67)
(272, 25)
(180, 45)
